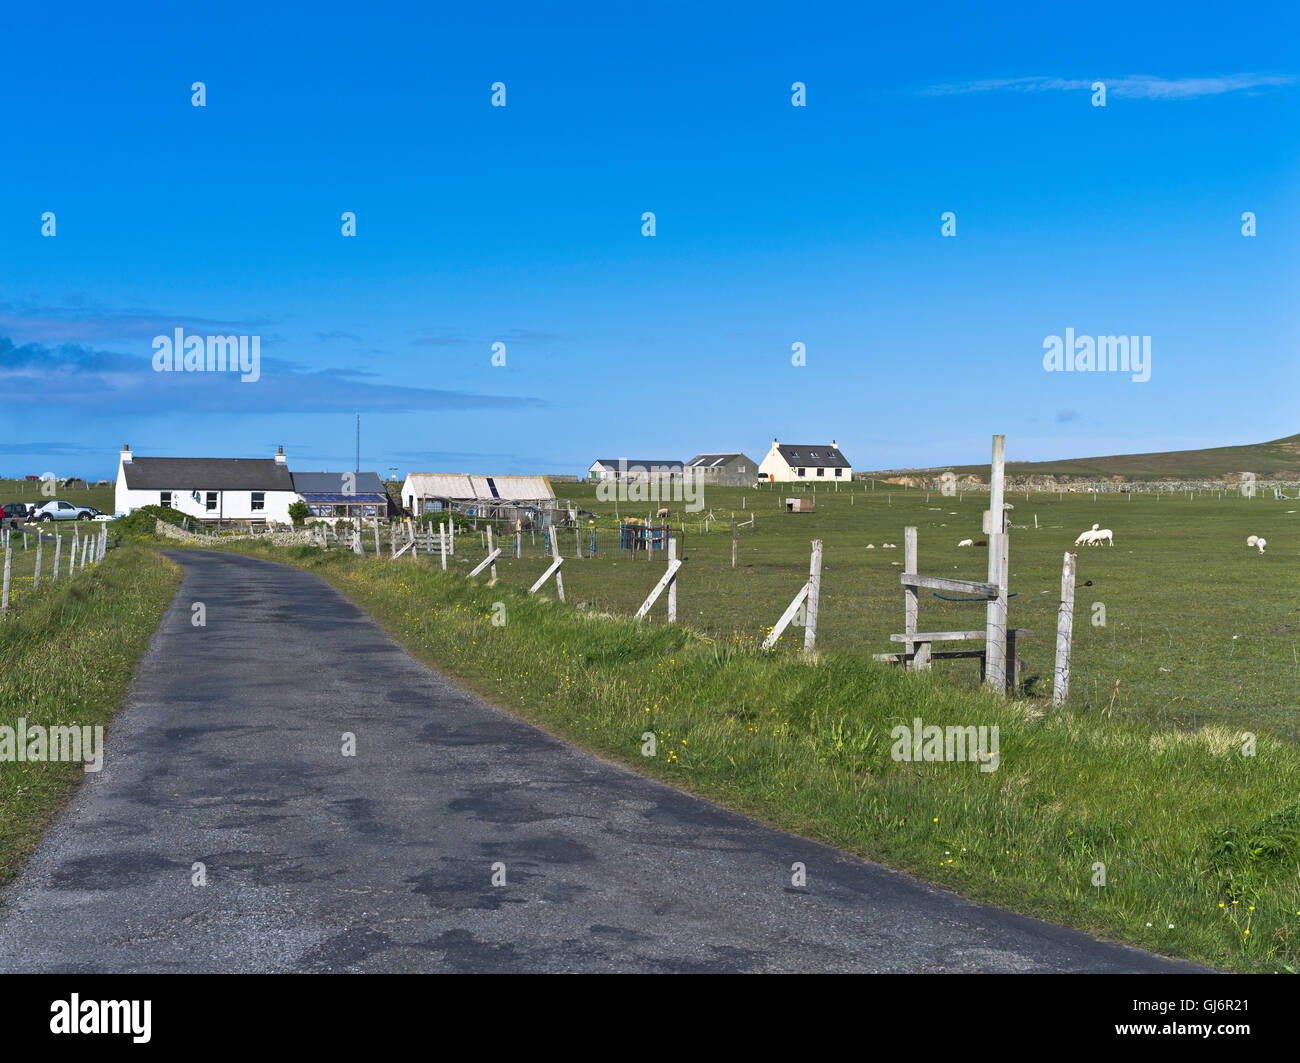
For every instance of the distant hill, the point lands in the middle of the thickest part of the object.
(1278, 459)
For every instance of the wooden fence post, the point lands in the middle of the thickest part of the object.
(733, 540)
(72, 557)
(995, 622)
(442, 543)
(911, 596)
(491, 553)
(814, 592)
(4, 590)
(36, 574)
(555, 553)
(58, 551)
(672, 586)
(1064, 633)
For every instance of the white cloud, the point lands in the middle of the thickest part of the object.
(1134, 86)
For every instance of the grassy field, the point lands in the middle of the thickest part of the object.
(66, 658)
(1279, 458)
(1197, 843)
(1198, 627)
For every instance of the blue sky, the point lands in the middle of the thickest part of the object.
(522, 225)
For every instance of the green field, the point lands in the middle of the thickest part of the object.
(1278, 459)
(1198, 627)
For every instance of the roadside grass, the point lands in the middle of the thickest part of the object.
(66, 658)
(1198, 843)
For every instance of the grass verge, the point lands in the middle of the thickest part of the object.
(66, 658)
(1171, 840)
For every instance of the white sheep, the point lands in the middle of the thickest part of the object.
(871, 546)
(1098, 536)
(889, 546)
(1251, 540)
(1261, 544)
(1086, 537)
(967, 542)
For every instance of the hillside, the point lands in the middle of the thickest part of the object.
(1277, 459)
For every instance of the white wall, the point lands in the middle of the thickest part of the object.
(231, 505)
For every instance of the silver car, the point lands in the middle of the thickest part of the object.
(57, 509)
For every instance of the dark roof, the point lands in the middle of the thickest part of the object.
(703, 460)
(209, 474)
(332, 483)
(812, 455)
(638, 463)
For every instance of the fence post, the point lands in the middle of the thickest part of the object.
(493, 570)
(58, 550)
(4, 591)
(1064, 633)
(555, 557)
(911, 595)
(672, 585)
(72, 557)
(995, 622)
(814, 591)
(733, 540)
(378, 553)
(577, 538)
(519, 542)
(442, 543)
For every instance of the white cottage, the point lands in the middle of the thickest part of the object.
(802, 462)
(207, 489)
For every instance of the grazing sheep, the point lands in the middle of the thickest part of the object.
(871, 546)
(1104, 534)
(1261, 544)
(662, 513)
(889, 546)
(1086, 537)
(966, 542)
(1251, 540)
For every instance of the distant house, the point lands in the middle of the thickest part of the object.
(207, 489)
(342, 495)
(632, 469)
(427, 492)
(801, 462)
(725, 470)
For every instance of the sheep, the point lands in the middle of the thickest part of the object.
(966, 542)
(1261, 544)
(662, 513)
(889, 546)
(1251, 540)
(1086, 537)
(871, 546)
(1098, 536)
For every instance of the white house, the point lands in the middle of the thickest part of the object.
(803, 462)
(632, 469)
(207, 489)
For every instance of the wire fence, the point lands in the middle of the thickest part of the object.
(1185, 679)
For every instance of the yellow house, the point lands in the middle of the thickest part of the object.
(804, 462)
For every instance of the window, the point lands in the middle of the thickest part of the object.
(801, 472)
(821, 472)
(259, 499)
(165, 499)
(740, 468)
(839, 472)
(212, 500)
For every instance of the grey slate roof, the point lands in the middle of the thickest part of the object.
(638, 463)
(325, 483)
(711, 460)
(208, 474)
(812, 455)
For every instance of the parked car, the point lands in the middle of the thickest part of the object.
(12, 512)
(57, 509)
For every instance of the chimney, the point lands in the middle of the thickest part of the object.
(834, 445)
(280, 459)
(126, 453)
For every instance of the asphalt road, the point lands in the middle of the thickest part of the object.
(228, 753)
